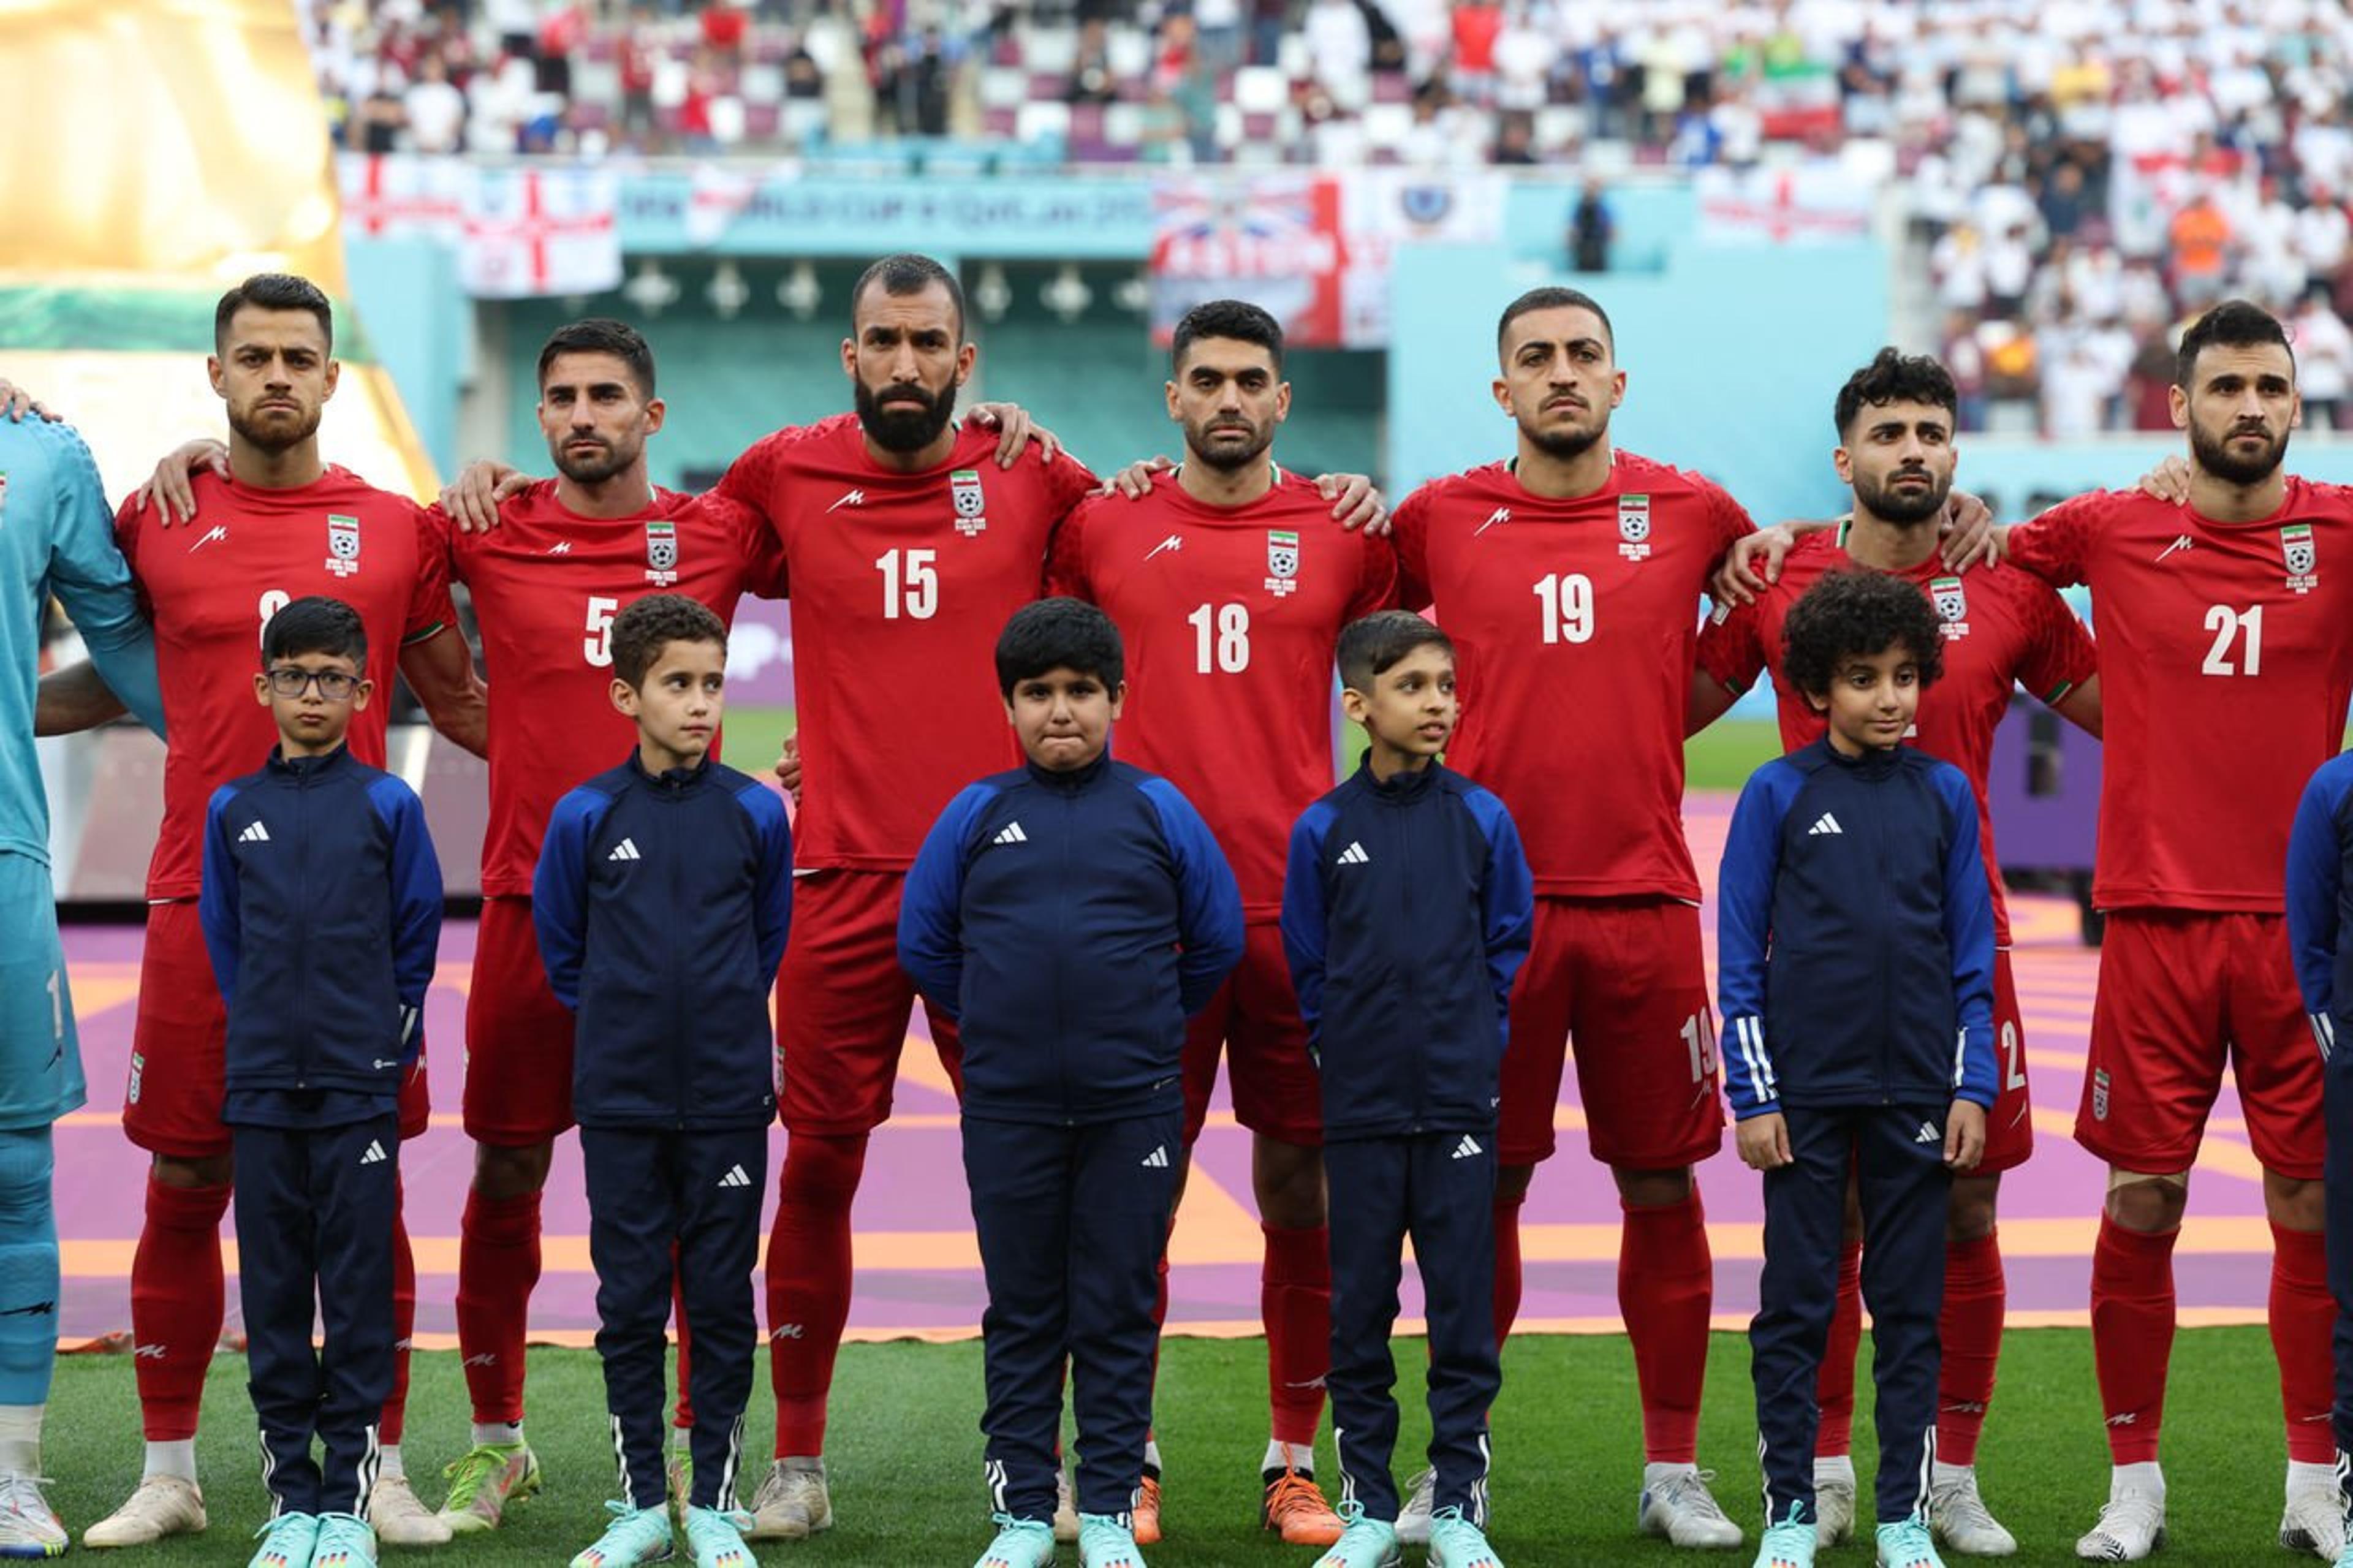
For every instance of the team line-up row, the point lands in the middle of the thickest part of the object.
(906, 542)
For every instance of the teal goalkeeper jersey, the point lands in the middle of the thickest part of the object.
(56, 538)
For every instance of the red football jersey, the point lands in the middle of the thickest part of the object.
(900, 584)
(211, 585)
(2002, 629)
(1575, 622)
(2227, 665)
(1229, 616)
(547, 584)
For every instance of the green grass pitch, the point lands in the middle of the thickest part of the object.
(906, 1462)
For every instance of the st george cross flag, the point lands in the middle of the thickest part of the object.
(538, 231)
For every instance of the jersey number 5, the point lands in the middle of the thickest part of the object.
(597, 647)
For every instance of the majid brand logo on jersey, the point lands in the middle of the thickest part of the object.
(661, 553)
(1634, 527)
(1282, 562)
(964, 490)
(1952, 601)
(342, 545)
(2302, 558)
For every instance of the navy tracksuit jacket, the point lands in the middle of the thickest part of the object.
(662, 905)
(1855, 977)
(321, 910)
(1407, 908)
(2320, 931)
(1070, 922)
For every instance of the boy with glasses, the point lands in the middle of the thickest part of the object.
(321, 910)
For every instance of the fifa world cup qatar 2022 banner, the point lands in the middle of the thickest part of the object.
(1313, 250)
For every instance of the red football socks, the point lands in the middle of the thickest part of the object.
(1977, 1298)
(1507, 1266)
(809, 1281)
(1834, 1381)
(684, 1420)
(1666, 1282)
(176, 1305)
(498, 1266)
(2304, 1322)
(2132, 1335)
(403, 1324)
(1295, 1303)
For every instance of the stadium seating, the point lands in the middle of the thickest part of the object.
(2050, 159)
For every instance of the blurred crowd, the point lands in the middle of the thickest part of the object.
(2078, 174)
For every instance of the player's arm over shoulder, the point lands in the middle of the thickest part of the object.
(1409, 535)
(1068, 568)
(2059, 543)
(751, 479)
(1727, 519)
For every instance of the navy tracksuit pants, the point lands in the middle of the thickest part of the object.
(1897, 1155)
(1072, 1222)
(1439, 1188)
(655, 1194)
(2336, 1107)
(314, 1214)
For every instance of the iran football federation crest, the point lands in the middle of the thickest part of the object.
(662, 553)
(2303, 560)
(1282, 562)
(1634, 527)
(964, 489)
(1952, 601)
(342, 545)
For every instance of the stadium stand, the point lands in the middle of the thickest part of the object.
(2077, 176)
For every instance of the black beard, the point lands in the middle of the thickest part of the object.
(2217, 458)
(1226, 459)
(278, 438)
(1888, 504)
(1570, 445)
(901, 428)
(591, 471)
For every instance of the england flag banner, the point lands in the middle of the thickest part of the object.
(534, 232)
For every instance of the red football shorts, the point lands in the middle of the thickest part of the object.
(171, 1102)
(2181, 993)
(1255, 1018)
(2009, 1125)
(1625, 980)
(842, 1003)
(518, 1036)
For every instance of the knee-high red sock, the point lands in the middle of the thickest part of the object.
(1834, 1383)
(1294, 1300)
(176, 1302)
(1666, 1281)
(685, 1416)
(2132, 1335)
(1976, 1296)
(497, 1265)
(809, 1282)
(1507, 1266)
(2304, 1322)
(404, 1326)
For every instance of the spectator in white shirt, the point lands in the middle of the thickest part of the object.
(1341, 47)
(436, 110)
(2324, 359)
